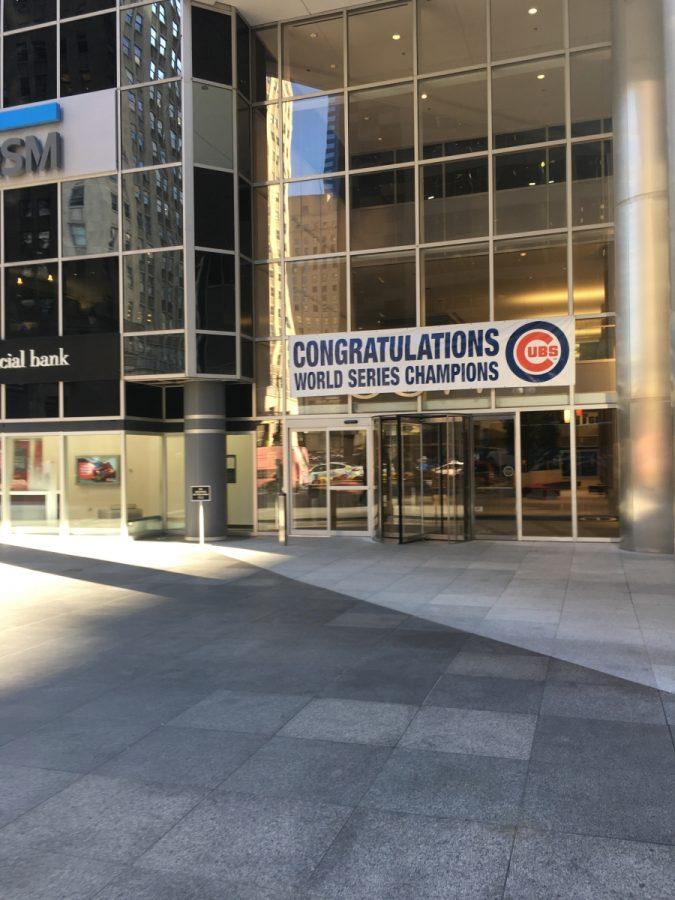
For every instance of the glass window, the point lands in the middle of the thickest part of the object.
(216, 354)
(150, 47)
(152, 125)
(239, 448)
(143, 401)
(266, 149)
(596, 359)
(88, 60)
(314, 216)
(348, 458)
(266, 64)
(34, 464)
(316, 296)
(593, 266)
(94, 480)
(214, 209)
(154, 354)
(546, 474)
(530, 190)
(453, 114)
(382, 209)
(80, 7)
(456, 284)
(246, 297)
(380, 43)
(22, 13)
(314, 130)
(245, 392)
(590, 23)
(455, 200)
(245, 218)
(215, 289)
(269, 369)
(451, 34)
(381, 126)
(89, 221)
(90, 296)
(29, 66)
(592, 183)
(31, 301)
(269, 459)
(597, 473)
(31, 223)
(153, 292)
(309, 480)
(144, 467)
(212, 113)
(244, 138)
(266, 222)
(591, 92)
(211, 45)
(528, 102)
(523, 29)
(313, 53)
(152, 204)
(32, 401)
(531, 278)
(173, 399)
(91, 398)
(267, 300)
(243, 57)
(383, 291)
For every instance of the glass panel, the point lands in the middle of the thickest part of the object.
(593, 257)
(349, 510)
(380, 44)
(144, 483)
(265, 64)
(266, 137)
(93, 482)
(150, 42)
(269, 383)
(451, 34)
(32, 401)
(216, 354)
(80, 7)
(88, 59)
(313, 53)
(143, 400)
(175, 481)
(348, 458)
(91, 299)
(530, 190)
(494, 511)
(35, 498)
(246, 298)
(590, 23)
(268, 301)
(382, 209)
(31, 301)
(89, 216)
(211, 45)
(383, 291)
(592, 183)
(591, 92)
(153, 291)
(455, 201)
(314, 131)
(381, 126)
(531, 396)
(597, 473)
(315, 405)
(214, 209)
(215, 289)
(448, 399)
(212, 111)
(456, 285)
(269, 473)
(30, 66)
(245, 218)
(239, 469)
(152, 126)
(316, 296)
(388, 463)
(27, 12)
(243, 57)
(309, 481)
(154, 354)
(31, 223)
(244, 138)
(521, 29)
(546, 475)
(453, 114)
(528, 102)
(596, 359)
(314, 217)
(384, 402)
(153, 208)
(531, 278)
(412, 493)
(266, 222)
(84, 399)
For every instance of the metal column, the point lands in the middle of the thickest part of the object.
(205, 457)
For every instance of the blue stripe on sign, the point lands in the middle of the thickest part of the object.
(26, 116)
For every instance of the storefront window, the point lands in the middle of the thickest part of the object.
(32, 401)
(94, 482)
(175, 481)
(453, 113)
(546, 474)
(34, 483)
(314, 217)
(269, 457)
(313, 52)
(145, 475)
(597, 473)
(91, 398)
(239, 462)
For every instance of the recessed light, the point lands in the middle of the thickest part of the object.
(541, 76)
(424, 96)
(313, 34)
(532, 183)
(524, 253)
(396, 37)
(431, 197)
(542, 164)
(533, 11)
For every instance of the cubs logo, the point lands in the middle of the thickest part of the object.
(537, 352)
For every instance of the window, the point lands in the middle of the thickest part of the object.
(216, 354)
(531, 278)
(213, 124)
(590, 23)
(244, 138)
(455, 200)
(313, 53)
(593, 266)
(591, 92)
(30, 66)
(89, 216)
(453, 114)
(32, 401)
(381, 126)
(31, 301)
(153, 291)
(315, 129)
(267, 300)
(143, 400)
(243, 58)
(314, 215)
(456, 284)
(215, 290)
(20, 14)
(269, 368)
(597, 473)
(151, 125)
(451, 34)
(211, 46)
(246, 297)
(592, 183)
(245, 218)
(518, 32)
(149, 63)
(214, 209)
(80, 7)
(266, 165)
(31, 217)
(383, 291)
(90, 296)
(91, 398)
(153, 208)
(380, 43)
(528, 102)
(530, 190)
(596, 359)
(88, 61)
(382, 209)
(265, 64)
(154, 354)
(267, 222)
(316, 296)
(546, 474)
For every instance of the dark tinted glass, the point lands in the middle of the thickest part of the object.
(154, 354)
(151, 125)
(143, 400)
(80, 7)
(90, 296)
(88, 60)
(173, 403)
(150, 43)
(245, 219)
(383, 291)
(21, 13)
(32, 401)
(153, 208)
(31, 223)
(246, 355)
(456, 284)
(31, 301)
(238, 400)
(91, 398)
(216, 355)
(216, 307)
(30, 66)
(265, 64)
(244, 138)
(455, 200)
(383, 209)
(153, 291)
(530, 190)
(211, 46)
(243, 57)
(246, 297)
(214, 209)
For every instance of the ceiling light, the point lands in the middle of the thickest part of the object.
(50, 277)
(532, 183)
(431, 197)
(19, 280)
(423, 96)
(533, 10)
(313, 34)
(524, 253)
(542, 164)
(396, 37)
(567, 416)
(540, 76)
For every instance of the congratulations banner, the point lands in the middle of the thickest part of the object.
(490, 354)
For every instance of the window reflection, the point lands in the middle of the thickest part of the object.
(153, 208)
(531, 278)
(316, 296)
(456, 284)
(314, 132)
(451, 34)
(313, 53)
(546, 474)
(593, 266)
(453, 114)
(266, 135)
(215, 292)
(518, 32)
(150, 44)
(269, 368)
(380, 44)
(268, 300)
(154, 354)
(31, 301)
(597, 473)
(152, 125)
(382, 209)
(212, 116)
(381, 126)
(590, 23)
(314, 215)
(88, 58)
(383, 291)
(89, 216)
(592, 183)
(31, 223)
(455, 200)
(29, 66)
(265, 64)
(530, 190)
(591, 92)
(91, 296)
(596, 359)
(528, 102)
(153, 291)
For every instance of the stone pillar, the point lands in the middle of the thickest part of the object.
(204, 403)
(642, 277)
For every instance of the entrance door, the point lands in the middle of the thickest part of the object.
(494, 478)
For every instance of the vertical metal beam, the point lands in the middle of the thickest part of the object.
(205, 457)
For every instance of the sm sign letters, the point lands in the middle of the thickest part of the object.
(30, 154)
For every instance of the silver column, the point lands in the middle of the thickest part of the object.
(669, 42)
(204, 403)
(642, 277)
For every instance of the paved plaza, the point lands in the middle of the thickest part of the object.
(335, 720)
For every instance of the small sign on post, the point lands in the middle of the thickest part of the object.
(200, 493)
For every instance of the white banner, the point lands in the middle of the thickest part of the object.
(523, 353)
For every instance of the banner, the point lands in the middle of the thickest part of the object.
(485, 355)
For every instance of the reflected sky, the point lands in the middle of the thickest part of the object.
(314, 131)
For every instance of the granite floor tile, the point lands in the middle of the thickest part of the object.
(351, 721)
(22, 787)
(471, 731)
(529, 668)
(484, 692)
(52, 876)
(245, 711)
(621, 703)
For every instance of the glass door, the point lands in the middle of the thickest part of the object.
(494, 481)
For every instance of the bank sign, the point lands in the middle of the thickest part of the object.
(521, 353)
(85, 357)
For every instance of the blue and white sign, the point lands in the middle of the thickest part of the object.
(511, 354)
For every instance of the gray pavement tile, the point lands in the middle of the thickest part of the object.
(351, 721)
(52, 876)
(267, 841)
(246, 711)
(526, 667)
(668, 700)
(100, 818)
(152, 701)
(483, 692)
(368, 619)
(22, 787)
(471, 731)
(560, 670)
(450, 785)
(486, 645)
(143, 884)
(320, 771)
(588, 868)
(390, 676)
(389, 856)
(616, 702)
